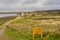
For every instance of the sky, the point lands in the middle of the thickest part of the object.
(28, 5)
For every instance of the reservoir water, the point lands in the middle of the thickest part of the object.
(5, 15)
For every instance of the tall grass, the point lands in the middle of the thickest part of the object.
(21, 29)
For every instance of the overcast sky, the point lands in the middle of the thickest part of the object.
(28, 5)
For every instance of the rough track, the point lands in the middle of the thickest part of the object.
(3, 27)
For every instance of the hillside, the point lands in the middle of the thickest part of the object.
(21, 28)
(5, 19)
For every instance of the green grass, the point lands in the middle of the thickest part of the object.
(5, 19)
(21, 29)
(16, 33)
(25, 21)
(13, 35)
(1, 23)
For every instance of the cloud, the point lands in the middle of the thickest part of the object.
(28, 5)
(52, 2)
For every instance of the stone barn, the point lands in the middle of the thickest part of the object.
(39, 13)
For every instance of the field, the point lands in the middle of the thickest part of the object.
(5, 19)
(21, 28)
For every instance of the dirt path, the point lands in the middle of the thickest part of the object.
(3, 27)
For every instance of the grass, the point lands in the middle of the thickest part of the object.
(5, 19)
(21, 29)
(17, 35)
(13, 35)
